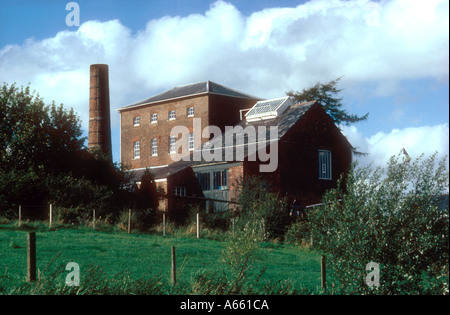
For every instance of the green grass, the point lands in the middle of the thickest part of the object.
(144, 256)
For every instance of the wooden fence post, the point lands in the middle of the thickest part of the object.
(93, 219)
(129, 221)
(20, 215)
(31, 256)
(51, 215)
(323, 272)
(198, 225)
(174, 268)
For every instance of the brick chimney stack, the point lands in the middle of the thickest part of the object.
(99, 112)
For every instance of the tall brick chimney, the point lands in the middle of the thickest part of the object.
(99, 112)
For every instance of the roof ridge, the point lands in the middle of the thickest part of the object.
(195, 88)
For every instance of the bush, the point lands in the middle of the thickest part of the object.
(141, 220)
(299, 233)
(258, 203)
(391, 217)
(74, 215)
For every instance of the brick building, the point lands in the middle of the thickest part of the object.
(146, 125)
(295, 147)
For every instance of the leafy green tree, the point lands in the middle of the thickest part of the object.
(390, 216)
(34, 136)
(326, 95)
(43, 158)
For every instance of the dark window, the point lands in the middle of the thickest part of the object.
(204, 180)
(179, 191)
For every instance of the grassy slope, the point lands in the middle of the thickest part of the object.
(144, 255)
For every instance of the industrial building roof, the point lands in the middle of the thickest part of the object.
(205, 87)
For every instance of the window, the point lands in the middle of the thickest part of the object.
(171, 115)
(191, 141)
(136, 150)
(204, 180)
(154, 118)
(220, 179)
(190, 112)
(179, 191)
(154, 147)
(172, 148)
(324, 164)
(136, 121)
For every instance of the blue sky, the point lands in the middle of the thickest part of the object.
(392, 56)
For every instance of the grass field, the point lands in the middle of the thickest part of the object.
(144, 256)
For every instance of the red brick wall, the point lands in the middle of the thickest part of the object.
(224, 110)
(212, 109)
(160, 130)
(298, 156)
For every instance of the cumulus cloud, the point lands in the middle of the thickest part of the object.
(381, 146)
(265, 54)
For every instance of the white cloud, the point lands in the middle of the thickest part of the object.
(381, 146)
(265, 54)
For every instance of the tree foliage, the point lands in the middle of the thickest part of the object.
(43, 158)
(389, 216)
(35, 137)
(326, 95)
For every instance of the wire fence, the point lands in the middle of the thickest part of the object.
(196, 223)
(191, 218)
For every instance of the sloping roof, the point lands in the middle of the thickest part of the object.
(159, 172)
(284, 122)
(205, 87)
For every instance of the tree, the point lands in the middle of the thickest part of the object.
(43, 158)
(326, 95)
(35, 137)
(147, 196)
(389, 216)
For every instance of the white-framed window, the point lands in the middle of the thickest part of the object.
(324, 164)
(190, 112)
(172, 148)
(179, 191)
(191, 141)
(154, 147)
(154, 118)
(136, 150)
(171, 115)
(136, 121)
